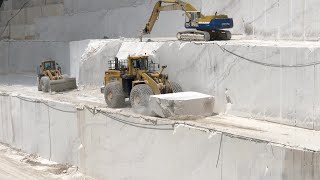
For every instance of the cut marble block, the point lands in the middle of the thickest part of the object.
(181, 104)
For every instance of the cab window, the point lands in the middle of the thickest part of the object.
(49, 65)
(140, 64)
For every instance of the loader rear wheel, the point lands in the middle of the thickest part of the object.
(139, 97)
(45, 84)
(113, 95)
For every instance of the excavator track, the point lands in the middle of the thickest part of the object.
(195, 35)
(220, 35)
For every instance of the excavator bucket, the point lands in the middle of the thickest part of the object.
(63, 84)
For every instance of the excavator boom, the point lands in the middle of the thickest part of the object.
(166, 5)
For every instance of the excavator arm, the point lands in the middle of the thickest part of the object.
(167, 5)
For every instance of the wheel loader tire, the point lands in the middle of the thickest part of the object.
(45, 84)
(114, 95)
(139, 97)
(176, 87)
(39, 84)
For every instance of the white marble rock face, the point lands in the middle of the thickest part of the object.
(181, 104)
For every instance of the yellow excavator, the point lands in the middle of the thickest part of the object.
(205, 28)
(135, 78)
(51, 79)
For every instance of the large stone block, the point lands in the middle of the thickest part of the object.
(32, 13)
(17, 32)
(29, 32)
(4, 17)
(6, 5)
(19, 17)
(5, 32)
(53, 10)
(25, 56)
(4, 56)
(181, 104)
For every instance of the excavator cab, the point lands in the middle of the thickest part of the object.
(191, 20)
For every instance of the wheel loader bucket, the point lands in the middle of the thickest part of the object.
(63, 84)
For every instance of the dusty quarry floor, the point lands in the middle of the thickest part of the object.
(18, 165)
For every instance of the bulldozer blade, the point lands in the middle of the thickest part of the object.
(63, 84)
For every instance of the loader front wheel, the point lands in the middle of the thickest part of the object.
(39, 84)
(114, 95)
(45, 84)
(176, 87)
(139, 97)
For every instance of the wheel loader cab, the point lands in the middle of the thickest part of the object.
(137, 64)
(141, 64)
(49, 65)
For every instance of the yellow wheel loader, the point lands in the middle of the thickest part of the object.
(50, 78)
(135, 78)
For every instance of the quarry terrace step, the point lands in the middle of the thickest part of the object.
(16, 5)
(245, 128)
(22, 26)
(27, 15)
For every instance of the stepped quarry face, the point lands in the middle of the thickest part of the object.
(58, 20)
(262, 90)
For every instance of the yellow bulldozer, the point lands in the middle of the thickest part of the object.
(135, 78)
(51, 79)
